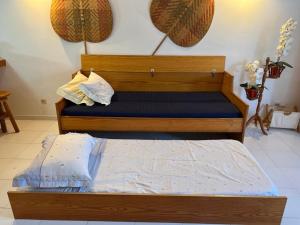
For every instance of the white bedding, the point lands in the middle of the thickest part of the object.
(222, 167)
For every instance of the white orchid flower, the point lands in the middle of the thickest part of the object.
(285, 38)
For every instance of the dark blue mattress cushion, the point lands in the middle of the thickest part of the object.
(169, 97)
(185, 105)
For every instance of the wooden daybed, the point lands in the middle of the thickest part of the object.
(171, 74)
(159, 74)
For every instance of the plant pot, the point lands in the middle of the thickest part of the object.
(275, 71)
(252, 94)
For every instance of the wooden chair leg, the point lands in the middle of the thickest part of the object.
(2, 121)
(11, 117)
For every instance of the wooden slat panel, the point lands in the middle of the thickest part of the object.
(178, 82)
(151, 124)
(148, 208)
(159, 63)
(161, 76)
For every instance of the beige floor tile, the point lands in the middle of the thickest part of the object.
(30, 152)
(39, 125)
(23, 137)
(10, 167)
(11, 150)
(5, 186)
(6, 217)
(290, 221)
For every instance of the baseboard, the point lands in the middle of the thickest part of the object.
(35, 117)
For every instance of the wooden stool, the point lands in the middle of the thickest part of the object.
(7, 113)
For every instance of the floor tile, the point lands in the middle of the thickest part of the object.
(26, 222)
(294, 175)
(39, 125)
(11, 150)
(23, 137)
(30, 151)
(284, 157)
(292, 209)
(263, 159)
(279, 178)
(6, 217)
(290, 221)
(10, 167)
(5, 186)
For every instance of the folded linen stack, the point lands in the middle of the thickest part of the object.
(65, 161)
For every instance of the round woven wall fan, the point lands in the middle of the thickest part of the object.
(185, 22)
(82, 20)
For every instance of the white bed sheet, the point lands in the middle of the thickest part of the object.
(220, 167)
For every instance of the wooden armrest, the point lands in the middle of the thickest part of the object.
(239, 103)
(60, 105)
(227, 90)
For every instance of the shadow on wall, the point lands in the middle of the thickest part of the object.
(27, 78)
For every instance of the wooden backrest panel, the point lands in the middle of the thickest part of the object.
(158, 73)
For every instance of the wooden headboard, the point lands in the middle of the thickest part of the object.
(158, 73)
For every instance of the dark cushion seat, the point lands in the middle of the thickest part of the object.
(160, 105)
(169, 97)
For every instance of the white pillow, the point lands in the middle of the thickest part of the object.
(98, 89)
(72, 92)
(69, 160)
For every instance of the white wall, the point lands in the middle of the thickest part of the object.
(39, 61)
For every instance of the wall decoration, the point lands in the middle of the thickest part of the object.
(185, 22)
(82, 20)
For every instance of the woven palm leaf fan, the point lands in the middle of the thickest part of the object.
(82, 20)
(185, 22)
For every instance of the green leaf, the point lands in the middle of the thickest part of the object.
(286, 64)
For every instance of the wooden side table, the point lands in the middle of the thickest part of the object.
(5, 112)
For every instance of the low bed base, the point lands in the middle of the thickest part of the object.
(148, 208)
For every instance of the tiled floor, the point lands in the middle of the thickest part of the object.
(278, 154)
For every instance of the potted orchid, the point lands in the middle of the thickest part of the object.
(252, 88)
(286, 31)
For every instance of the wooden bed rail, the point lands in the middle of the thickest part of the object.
(148, 208)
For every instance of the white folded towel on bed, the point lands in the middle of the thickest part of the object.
(69, 160)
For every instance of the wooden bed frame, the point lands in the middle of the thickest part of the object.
(148, 208)
(160, 74)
